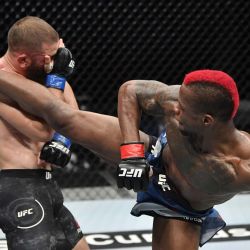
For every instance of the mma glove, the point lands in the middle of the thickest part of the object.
(63, 67)
(57, 151)
(133, 170)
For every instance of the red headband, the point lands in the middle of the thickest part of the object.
(217, 77)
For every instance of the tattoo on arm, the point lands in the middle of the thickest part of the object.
(154, 97)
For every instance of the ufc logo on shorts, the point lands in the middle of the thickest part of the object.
(163, 182)
(48, 176)
(59, 146)
(130, 172)
(72, 64)
(24, 212)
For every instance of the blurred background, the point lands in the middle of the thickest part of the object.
(115, 40)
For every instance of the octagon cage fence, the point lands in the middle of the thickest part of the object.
(114, 41)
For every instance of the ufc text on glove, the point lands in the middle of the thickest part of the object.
(63, 67)
(133, 170)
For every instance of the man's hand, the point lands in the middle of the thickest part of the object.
(57, 151)
(63, 66)
(133, 171)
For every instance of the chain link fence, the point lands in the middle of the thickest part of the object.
(114, 41)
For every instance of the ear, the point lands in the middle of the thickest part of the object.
(207, 120)
(24, 61)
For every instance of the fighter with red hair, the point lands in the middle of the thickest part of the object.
(198, 161)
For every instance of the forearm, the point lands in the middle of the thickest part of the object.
(151, 97)
(34, 98)
(57, 93)
(129, 112)
(69, 96)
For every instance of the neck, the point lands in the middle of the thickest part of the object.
(10, 63)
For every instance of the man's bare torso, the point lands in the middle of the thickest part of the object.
(229, 177)
(17, 151)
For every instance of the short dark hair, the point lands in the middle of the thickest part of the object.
(29, 33)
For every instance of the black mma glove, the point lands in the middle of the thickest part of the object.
(57, 151)
(133, 170)
(63, 66)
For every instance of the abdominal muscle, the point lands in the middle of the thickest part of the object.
(18, 151)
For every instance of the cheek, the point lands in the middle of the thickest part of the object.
(186, 120)
(182, 116)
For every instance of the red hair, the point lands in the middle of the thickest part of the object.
(216, 77)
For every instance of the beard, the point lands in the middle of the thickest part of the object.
(36, 74)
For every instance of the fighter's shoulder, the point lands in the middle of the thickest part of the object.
(244, 145)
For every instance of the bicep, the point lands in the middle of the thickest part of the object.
(154, 97)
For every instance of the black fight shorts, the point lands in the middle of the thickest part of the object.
(32, 214)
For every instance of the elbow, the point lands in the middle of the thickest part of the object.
(127, 90)
(127, 86)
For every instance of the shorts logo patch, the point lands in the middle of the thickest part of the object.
(156, 149)
(26, 213)
(163, 182)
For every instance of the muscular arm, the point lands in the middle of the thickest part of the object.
(97, 132)
(152, 97)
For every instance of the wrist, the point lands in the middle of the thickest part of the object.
(55, 81)
(60, 138)
(132, 150)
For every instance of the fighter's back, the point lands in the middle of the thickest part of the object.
(213, 178)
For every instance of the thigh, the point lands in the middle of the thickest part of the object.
(30, 224)
(27, 215)
(171, 234)
(82, 245)
(72, 232)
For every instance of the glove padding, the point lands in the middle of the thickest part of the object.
(63, 63)
(63, 67)
(133, 174)
(57, 150)
(55, 153)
